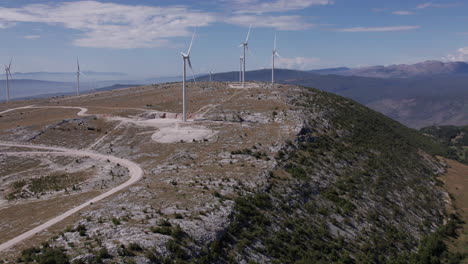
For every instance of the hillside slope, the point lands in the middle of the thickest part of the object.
(285, 175)
(453, 137)
(353, 187)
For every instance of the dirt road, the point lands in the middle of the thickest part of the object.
(135, 172)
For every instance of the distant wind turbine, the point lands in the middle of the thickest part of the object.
(78, 77)
(186, 58)
(245, 46)
(78, 73)
(275, 53)
(8, 79)
(211, 73)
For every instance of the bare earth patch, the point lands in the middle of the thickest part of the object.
(456, 183)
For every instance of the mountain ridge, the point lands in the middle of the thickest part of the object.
(421, 69)
(282, 175)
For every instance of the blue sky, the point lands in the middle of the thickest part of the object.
(145, 38)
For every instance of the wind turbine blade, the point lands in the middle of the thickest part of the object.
(9, 66)
(189, 62)
(248, 34)
(191, 69)
(83, 74)
(277, 54)
(191, 42)
(78, 64)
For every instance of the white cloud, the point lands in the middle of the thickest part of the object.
(110, 25)
(424, 5)
(378, 29)
(460, 55)
(259, 7)
(402, 13)
(434, 5)
(276, 22)
(31, 37)
(298, 63)
(379, 9)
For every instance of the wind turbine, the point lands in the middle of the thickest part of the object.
(275, 53)
(8, 76)
(211, 73)
(245, 46)
(240, 69)
(186, 58)
(78, 73)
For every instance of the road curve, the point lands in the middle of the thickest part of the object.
(82, 111)
(135, 171)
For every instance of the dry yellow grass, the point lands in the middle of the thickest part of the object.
(456, 183)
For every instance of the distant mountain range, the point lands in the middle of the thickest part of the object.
(68, 76)
(106, 78)
(422, 69)
(414, 101)
(402, 71)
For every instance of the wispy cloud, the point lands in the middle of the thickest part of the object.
(276, 22)
(460, 55)
(402, 13)
(299, 63)
(377, 29)
(379, 9)
(259, 6)
(435, 5)
(110, 25)
(31, 37)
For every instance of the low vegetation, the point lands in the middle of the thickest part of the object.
(40, 185)
(44, 255)
(454, 138)
(357, 181)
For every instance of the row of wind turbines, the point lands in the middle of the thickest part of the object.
(244, 46)
(186, 61)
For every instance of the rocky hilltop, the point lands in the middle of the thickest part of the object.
(260, 175)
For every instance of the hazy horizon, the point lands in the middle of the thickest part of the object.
(144, 38)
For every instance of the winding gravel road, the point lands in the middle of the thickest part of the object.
(135, 171)
(82, 111)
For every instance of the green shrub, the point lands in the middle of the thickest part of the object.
(115, 221)
(135, 247)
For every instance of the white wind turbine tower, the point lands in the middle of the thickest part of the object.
(8, 79)
(211, 73)
(186, 58)
(245, 46)
(78, 73)
(275, 53)
(240, 69)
